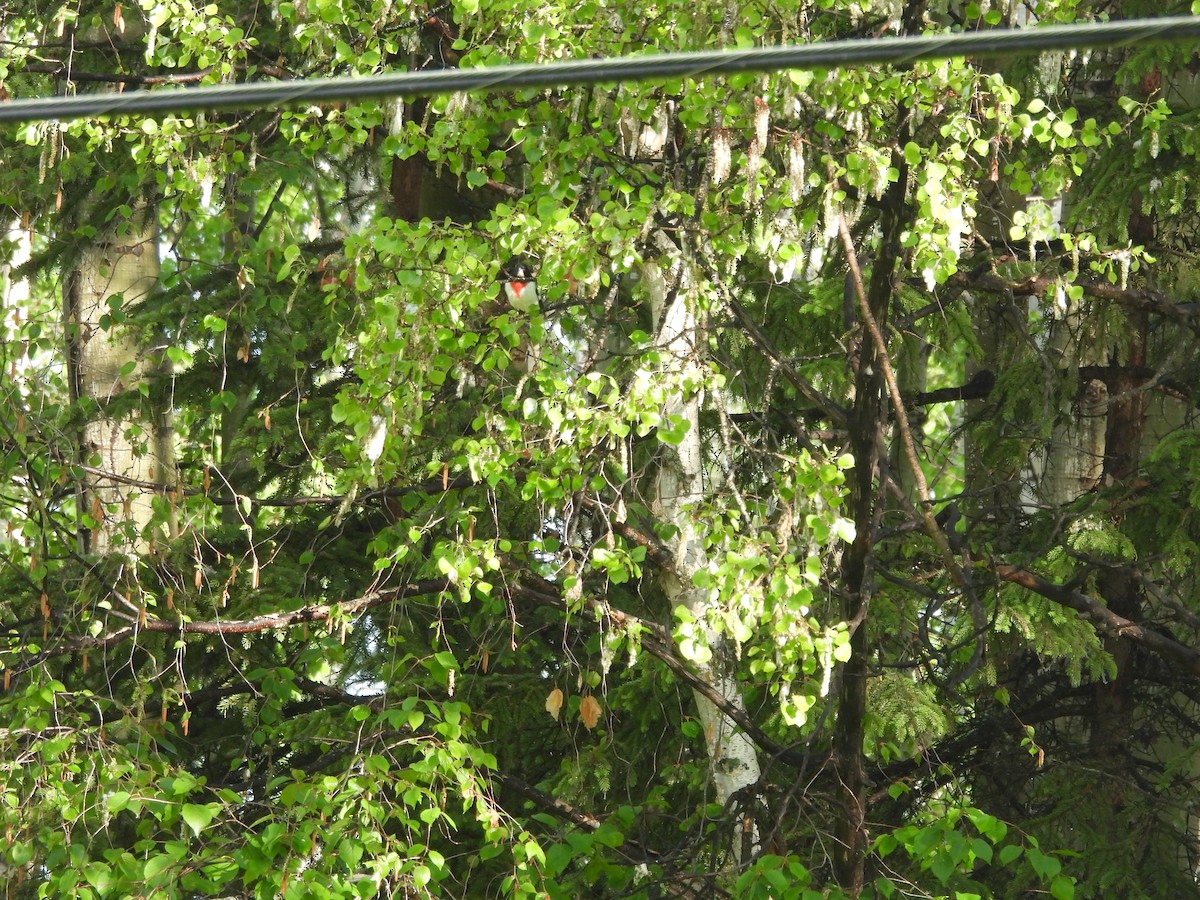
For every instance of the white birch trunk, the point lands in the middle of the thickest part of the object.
(733, 757)
(1072, 460)
(14, 301)
(133, 451)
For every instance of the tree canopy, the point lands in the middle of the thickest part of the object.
(827, 529)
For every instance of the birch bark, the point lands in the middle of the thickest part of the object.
(680, 489)
(131, 450)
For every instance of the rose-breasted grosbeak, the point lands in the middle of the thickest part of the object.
(520, 285)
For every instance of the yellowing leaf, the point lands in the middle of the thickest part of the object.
(554, 703)
(589, 711)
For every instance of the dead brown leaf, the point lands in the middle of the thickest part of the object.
(554, 703)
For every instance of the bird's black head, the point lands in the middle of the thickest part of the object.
(518, 268)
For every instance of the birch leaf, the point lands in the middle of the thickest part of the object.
(589, 712)
(554, 703)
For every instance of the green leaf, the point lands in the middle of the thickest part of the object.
(1009, 853)
(99, 876)
(1062, 887)
(842, 649)
(943, 867)
(156, 865)
(197, 816)
(179, 357)
(1046, 866)
(117, 801)
(989, 826)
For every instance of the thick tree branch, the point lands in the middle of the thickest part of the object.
(657, 641)
(266, 622)
(656, 550)
(834, 411)
(435, 485)
(979, 387)
(907, 442)
(550, 803)
(64, 71)
(940, 540)
(1038, 285)
(1101, 616)
(631, 849)
(60, 69)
